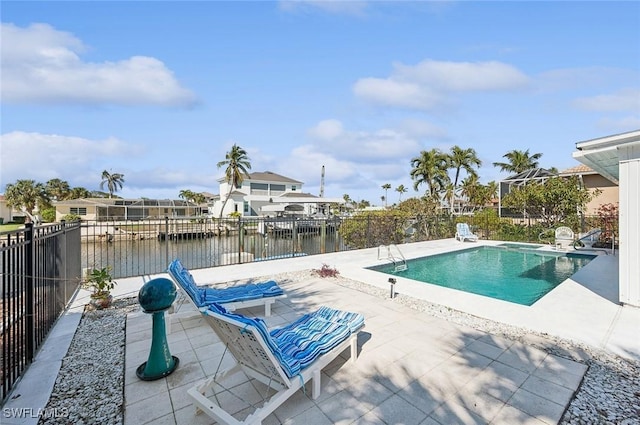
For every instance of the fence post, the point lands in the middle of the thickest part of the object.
(166, 240)
(29, 291)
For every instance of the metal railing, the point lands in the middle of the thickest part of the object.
(39, 272)
(144, 247)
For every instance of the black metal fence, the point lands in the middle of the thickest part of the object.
(40, 271)
(143, 247)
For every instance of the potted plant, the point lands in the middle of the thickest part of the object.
(99, 280)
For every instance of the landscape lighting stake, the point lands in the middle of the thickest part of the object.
(392, 281)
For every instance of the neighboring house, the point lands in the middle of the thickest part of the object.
(101, 209)
(6, 213)
(593, 181)
(617, 158)
(268, 194)
(539, 175)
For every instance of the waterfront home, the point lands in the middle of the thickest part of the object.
(268, 194)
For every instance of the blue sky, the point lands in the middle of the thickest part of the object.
(159, 91)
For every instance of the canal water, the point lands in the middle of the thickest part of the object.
(135, 257)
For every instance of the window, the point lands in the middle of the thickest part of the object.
(277, 187)
(246, 207)
(293, 188)
(78, 210)
(259, 186)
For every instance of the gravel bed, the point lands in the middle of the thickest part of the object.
(609, 393)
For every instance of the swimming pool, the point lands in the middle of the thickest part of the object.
(508, 273)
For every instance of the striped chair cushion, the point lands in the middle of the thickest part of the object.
(203, 296)
(299, 344)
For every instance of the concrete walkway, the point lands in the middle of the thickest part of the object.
(583, 309)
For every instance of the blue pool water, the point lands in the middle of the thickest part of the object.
(508, 273)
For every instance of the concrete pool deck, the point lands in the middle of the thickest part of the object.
(582, 309)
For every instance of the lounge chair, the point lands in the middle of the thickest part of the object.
(283, 359)
(564, 238)
(232, 297)
(464, 233)
(589, 238)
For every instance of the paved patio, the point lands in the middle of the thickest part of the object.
(413, 369)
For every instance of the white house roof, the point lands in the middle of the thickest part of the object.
(267, 176)
(602, 154)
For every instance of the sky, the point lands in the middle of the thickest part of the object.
(159, 91)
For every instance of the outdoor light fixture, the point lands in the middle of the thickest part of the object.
(392, 281)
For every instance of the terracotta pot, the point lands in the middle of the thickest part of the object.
(100, 301)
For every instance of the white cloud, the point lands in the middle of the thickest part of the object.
(42, 64)
(622, 100)
(430, 84)
(42, 157)
(382, 145)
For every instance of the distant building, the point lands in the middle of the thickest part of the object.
(101, 209)
(268, 194)
(593, 181)
(539, 175)
(6, 212)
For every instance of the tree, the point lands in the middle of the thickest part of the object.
(555, 200)
(26, 195)
(462, 159)
(113, 181)
(57, 189)
(430, 168)
(78, 193)
(519, 161)
(237, 163)
(401, 189)
(190, 196)
(386, 187)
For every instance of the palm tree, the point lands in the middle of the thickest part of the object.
(430, 168)
(78, 193)
(401, 189)
(386, 187)
(57, 189)
(519, 161)
(237, 163)
(462, 159)
(26, 195)
(113, 181)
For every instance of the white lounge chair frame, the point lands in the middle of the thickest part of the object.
(229, 306)
(463, 232)
(256, 360)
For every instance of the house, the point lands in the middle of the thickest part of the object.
(6, 212)
(617, 158)
(268, 194)
(593, 181)
(101, 209)
(539, 175)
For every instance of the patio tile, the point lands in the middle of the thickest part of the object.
(138, 390)
(342, 407)
(509, 415)
(148, 410)
(396, 410)
(546, 389)
(485, 349)
(539, 407)
(313, 415)
(455, 413)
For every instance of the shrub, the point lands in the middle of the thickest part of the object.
(326, 271)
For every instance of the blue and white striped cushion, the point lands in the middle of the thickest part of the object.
(203, 296)
(299, 344)
(289, 363)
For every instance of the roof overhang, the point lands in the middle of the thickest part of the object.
(602, 154)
